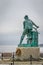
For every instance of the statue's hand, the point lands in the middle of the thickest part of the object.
(37, 26)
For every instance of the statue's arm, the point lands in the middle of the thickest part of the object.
(34, 24)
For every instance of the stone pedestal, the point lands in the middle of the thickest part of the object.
(26, 52)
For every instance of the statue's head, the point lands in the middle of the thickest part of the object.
(26, 17)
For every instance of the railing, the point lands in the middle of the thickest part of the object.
(9, 59)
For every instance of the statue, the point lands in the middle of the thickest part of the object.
(28, 27)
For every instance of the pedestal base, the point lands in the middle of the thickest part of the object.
(26, 52)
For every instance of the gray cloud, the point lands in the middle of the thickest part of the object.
(13, 11)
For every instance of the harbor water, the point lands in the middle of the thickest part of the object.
(12, 48)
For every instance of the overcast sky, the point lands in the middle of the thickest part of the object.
(12, 14)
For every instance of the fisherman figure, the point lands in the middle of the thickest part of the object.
(28, 26)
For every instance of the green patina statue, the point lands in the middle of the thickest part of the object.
(32, 35)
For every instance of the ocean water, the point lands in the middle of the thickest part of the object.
(9, 42)
(12, 48)
(8, 48)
